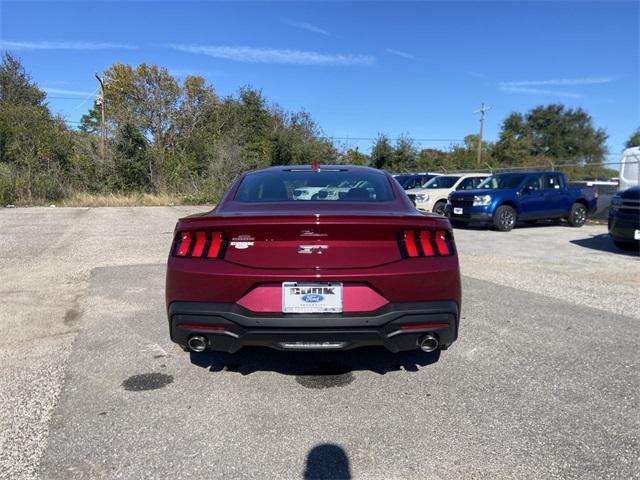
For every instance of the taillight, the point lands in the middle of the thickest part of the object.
(198, 244)
(442, 243)
(426, 243)
(410, 243)
(184, 242)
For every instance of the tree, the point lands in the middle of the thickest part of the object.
(551, 132)
(354, 157)
(382, 152)
(16, 87)
(432, 160)
(34, 145)
(405, 155)
(132, 169)
(634, 139)
(145, 97)
(90, 121)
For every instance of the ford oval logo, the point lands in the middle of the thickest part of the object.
(312, 298)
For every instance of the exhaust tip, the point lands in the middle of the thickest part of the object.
(428, 343)
(197, 343)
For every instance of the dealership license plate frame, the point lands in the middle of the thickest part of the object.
(292, 302)
(457, 210)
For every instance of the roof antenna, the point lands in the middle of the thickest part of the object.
(315, 165)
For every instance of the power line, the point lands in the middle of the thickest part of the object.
(67, 98)
(331, 137)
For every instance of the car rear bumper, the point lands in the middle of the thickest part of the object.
(396, 326)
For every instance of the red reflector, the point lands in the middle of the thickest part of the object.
(183, 246)
(425, 243)
(216, 242)
(410, 243)
(442, 243)
(195, 326)
(420, 326)
(198, 248)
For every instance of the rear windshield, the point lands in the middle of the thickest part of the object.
(308, 185)
(507, 180)
(441, 182)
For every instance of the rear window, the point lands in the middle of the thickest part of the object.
(441, 182)
(308, 185)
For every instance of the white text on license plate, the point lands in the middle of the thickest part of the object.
(636, 235)
(298, 297)
(457, 211)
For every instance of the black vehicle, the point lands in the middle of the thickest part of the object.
(414, 180)
(624, 219)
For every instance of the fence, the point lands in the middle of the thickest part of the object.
(549, 166)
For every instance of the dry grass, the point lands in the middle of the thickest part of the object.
(118, 200)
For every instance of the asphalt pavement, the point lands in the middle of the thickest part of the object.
(543, 382)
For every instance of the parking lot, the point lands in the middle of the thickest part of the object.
(543, 382)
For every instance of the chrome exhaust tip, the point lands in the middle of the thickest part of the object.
(197, 343)
(428, 343)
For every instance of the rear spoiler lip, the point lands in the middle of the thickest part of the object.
(420, 221)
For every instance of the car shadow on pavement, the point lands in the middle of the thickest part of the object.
(301, 364)
(520, 225)
(603, 243)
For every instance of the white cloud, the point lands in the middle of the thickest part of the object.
(538, 91)
(560, 82)
(46, 45)
(400, 53)
(477, 74)
(307, 26)
(277, 56)
(59, 82)
(62, 91)
(186, 72)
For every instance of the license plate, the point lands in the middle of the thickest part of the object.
(311, 297)
(636, 235)
(457, 211)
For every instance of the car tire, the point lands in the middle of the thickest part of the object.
(439, 207)
(577, 215)
(504, 219)
(627, 246)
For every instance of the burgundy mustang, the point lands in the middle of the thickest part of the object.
(309, 258)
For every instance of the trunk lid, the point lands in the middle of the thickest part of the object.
(312, 242)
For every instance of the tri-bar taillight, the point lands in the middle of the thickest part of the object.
(199, 243)
(426, 243)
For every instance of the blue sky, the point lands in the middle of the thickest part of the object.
(359, 68)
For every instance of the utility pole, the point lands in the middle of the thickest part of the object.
(103, 125)
(482, 111)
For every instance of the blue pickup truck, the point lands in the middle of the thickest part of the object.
(505, 198)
